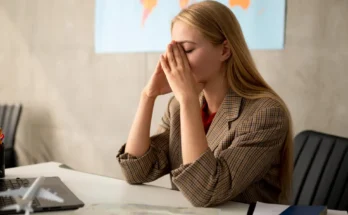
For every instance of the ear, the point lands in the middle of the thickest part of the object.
(226, 51)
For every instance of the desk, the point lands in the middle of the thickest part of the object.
(93, 189)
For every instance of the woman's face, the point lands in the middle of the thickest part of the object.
(205, 59)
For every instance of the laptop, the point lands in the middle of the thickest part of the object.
(54, 184)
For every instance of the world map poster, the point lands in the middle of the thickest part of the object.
(123, 26)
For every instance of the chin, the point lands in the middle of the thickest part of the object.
(200, 80)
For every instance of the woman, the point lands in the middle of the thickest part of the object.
(231, 141)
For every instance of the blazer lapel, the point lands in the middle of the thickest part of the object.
(227, 113)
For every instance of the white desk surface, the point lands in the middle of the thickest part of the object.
(93, 189)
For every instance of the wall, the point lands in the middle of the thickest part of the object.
(78, 106)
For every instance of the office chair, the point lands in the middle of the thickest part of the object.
(321, 170)
(9, 119)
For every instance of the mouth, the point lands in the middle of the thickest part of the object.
(202, 82)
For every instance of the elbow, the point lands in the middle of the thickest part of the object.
(205, 204)
(132, 181)
(200, 202)
(205, 200)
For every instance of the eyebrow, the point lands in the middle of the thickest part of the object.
(185, 41)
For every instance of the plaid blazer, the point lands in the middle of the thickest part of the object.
(241, 164)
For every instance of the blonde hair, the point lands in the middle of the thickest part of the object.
(217, 23)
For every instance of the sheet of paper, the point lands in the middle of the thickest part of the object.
(137, 209)
(273, 209)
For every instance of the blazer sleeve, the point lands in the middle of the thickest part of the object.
(154, 163)
(213, 180)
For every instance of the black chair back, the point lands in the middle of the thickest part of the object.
(321, 170)
(9, 119)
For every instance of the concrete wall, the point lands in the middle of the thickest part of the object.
(78, 106)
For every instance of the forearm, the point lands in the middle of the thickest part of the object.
(193, 140)
(139, 136)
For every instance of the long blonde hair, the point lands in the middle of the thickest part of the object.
(217, 23)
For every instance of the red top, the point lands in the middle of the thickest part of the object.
(207, 119)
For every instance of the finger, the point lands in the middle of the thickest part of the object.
(164, 65)
(183, 56)
(158, 66)
(170, 56)
(177, 55)
(165, 55)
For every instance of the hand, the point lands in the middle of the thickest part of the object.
(158, 84)
(179, 75)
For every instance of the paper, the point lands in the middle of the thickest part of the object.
(273, 209)
(144, 25)
(138, 209)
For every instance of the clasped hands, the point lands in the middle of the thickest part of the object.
(173, 74)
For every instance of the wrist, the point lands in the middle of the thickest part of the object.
(188, 100)
(145, 96)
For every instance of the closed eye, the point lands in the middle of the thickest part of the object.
(188, 51)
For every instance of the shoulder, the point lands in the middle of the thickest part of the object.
(173, 105)
(253, 107)
(264, 113)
